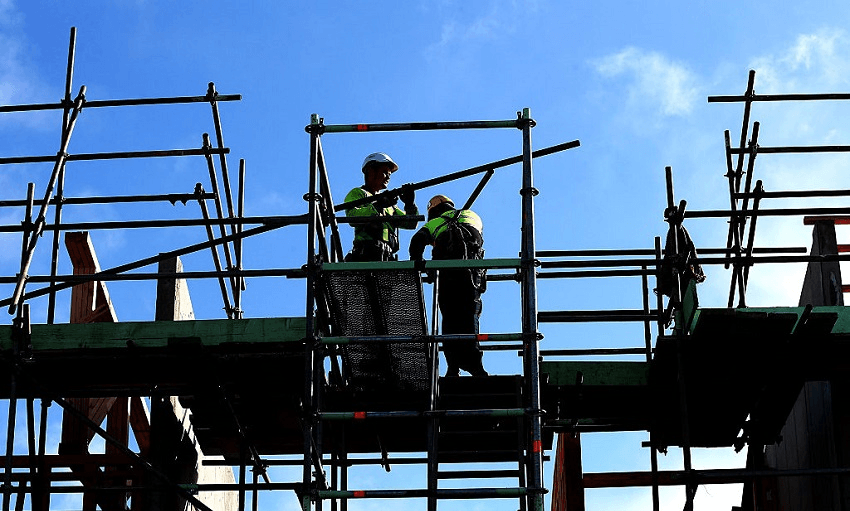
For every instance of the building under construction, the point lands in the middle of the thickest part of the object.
(355, 380)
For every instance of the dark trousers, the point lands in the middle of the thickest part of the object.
(366, 251)
(460, 306)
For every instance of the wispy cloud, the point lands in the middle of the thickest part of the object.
(496, 21)
(669, 87)
(19, 83)
(818, 61)
(809, 63)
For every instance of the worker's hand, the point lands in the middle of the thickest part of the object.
(407, 194)
(386, 201)
(419, 264)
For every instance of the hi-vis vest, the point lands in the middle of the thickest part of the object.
(453, 235)
(439, 225)
(377, 231)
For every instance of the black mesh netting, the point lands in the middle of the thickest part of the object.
(386, 302)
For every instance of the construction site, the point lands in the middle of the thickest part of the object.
(200, 413)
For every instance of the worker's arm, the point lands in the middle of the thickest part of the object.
(365, 209)
(418, 242)
(410, 209)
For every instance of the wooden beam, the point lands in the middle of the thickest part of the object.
(90, 301)
(173, 302)
(140, 421)
(567, 485)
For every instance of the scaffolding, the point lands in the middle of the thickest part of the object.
(321, 413)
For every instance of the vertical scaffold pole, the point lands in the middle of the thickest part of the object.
(60, 182)
(529, 314)
(309, 353)
(659, 305)
(238, 244)
(10, 440)
(675, 218)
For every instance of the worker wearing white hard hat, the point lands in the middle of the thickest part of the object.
(378, 241)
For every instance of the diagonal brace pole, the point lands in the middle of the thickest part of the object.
(40, 221)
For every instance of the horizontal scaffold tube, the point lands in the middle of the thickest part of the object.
(715, 476)
(429, 265)
(466, 493)
(651, 252)
(192, 488)
(173, 198)
(101, 277)
(418, 126)
(116, 155)
(701, 260)
(597, 316)
(498, 412)
(365, 339)
(779, 97)
(179, 222)
(121, 102)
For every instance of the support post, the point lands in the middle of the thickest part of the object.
(240, 212)
(60, 185)
(309, 403)
(529, 316)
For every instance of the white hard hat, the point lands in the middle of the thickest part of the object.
(379, 158)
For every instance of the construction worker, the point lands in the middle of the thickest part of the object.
(378, 241)
(455, 234)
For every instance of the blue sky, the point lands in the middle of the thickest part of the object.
(628, 79)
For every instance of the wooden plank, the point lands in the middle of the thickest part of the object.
(173, 302)
(118, 424)
(90, 301)
(161, 333)
(567, 484)
(74, 438)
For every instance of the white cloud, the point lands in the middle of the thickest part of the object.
(815, 62)
(809, 63)
(498, 20)
(669, 86)
(19, 83)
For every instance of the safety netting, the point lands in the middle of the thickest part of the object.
(380, 302)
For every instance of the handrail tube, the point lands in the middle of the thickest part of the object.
(121, 102)
(276, 221)
(416, 126)
(168, 197)
(116, 155)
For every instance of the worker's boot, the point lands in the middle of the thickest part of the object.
(452, 372)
